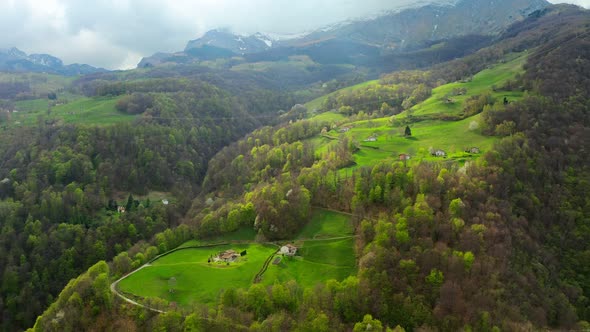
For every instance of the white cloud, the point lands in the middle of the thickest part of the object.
(583, 3)
(117, 33)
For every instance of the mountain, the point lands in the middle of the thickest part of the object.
(234, 43)
(415, 26)
(15, 60)
(361, 42)
(464, 187)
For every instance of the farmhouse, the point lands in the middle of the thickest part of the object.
(439, 153)
(371, 138)
(473, 150)
(345, 129)
(288, 250)
(404, 157)
(227, 256)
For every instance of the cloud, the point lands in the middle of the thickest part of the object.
(117, 33)
(582, 3)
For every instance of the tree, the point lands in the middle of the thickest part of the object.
(408, 131)
(435, 278)
(368, 324)
(129, 204)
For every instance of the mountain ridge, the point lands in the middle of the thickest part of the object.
(14, 60)
(393, 31)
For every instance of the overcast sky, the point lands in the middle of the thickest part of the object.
(115, 34)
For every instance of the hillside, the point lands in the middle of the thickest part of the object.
(405, 35)
(450, 194)
(414, 27)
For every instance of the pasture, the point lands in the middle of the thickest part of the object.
(86, 111)
(197, 281)
(325, 251)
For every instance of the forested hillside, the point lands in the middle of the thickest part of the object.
(65, 175)
(492, 235)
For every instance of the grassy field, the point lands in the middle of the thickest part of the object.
(244, 234)
(453, 137)
(319, 261)
(317, 103)
(40, 83)
(481, 83)
(196, 280)
(326, 224)
(320, 258)
(329, 116)
(89, 111)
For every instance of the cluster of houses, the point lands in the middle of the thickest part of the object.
(121, 209)
(443, 154)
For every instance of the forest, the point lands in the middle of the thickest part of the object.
(496, 243)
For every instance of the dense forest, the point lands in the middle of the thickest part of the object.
(62, 183)
(500, 243)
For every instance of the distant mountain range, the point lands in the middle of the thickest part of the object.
(15, 60)
(358, 41)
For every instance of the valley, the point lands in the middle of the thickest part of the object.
(420, 170)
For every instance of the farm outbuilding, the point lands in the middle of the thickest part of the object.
(439, 153)
(288, 250)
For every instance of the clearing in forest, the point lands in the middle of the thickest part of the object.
(325, 251)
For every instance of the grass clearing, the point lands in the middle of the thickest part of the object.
(481, 83)
(320, 259)
(86, 111)
(453, 137)
(326, 224)
(196, 280)
(329, 116)
(243, 234)
(318, 102)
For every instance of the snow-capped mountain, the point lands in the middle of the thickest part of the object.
(235, 43)
(405, 28)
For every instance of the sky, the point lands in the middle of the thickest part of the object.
(116, 34)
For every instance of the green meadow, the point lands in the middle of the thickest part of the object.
(326, 224)
(197, 281)
(318, 261)
(481, 83)
(453, 137)
(326, 251)
(317, 103)
(86, 111)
